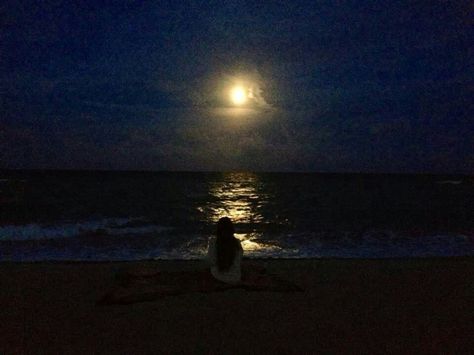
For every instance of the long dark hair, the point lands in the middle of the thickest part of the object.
(226, 244)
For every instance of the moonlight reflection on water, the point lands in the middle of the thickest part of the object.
(239, 196)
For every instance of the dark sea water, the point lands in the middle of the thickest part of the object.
(140, 215)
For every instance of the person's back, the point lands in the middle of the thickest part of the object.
(225, 253)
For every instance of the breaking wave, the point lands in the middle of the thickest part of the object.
(106, 226)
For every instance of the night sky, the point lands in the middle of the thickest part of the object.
(336, 86)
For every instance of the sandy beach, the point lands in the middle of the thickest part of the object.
(348, 306)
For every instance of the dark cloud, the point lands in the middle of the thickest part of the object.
(372, 86)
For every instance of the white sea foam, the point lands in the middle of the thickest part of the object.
(109, 226)
(319, 244)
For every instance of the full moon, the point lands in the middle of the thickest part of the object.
(238, 95)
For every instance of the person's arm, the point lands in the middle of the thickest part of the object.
(241, 249)
(211, 253)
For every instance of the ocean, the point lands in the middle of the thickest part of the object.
(101, 216)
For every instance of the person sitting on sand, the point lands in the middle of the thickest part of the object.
(225, 253)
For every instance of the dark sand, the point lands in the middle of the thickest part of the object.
(353, 306)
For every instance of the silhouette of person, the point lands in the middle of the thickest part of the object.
(225, 253)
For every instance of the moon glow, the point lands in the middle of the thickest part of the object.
(238, 95)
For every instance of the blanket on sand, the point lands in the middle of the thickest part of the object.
(134, 287)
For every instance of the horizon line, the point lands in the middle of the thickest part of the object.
(150, 171)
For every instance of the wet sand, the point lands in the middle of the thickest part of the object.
(349, 306)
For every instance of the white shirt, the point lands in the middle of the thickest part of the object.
(233, 274)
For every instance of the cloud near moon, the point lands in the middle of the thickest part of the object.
(214, 90)
(253, 86)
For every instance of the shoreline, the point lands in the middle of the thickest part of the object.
(342, 259)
